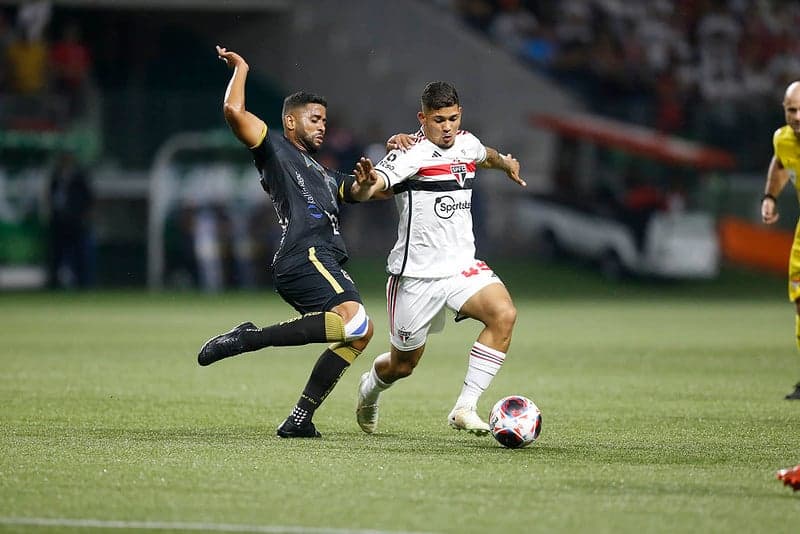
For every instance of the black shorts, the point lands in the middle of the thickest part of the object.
(313, 282)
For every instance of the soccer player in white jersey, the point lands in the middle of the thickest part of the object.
(432, 265)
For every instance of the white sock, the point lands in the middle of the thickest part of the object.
(484, 362)
(373, 385)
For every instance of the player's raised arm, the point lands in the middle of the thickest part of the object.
(504, 162)
(248, 128)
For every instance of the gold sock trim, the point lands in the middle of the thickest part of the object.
(334, 327)
(345, 352)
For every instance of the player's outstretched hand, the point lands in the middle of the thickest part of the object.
(790, 477)
(232, 59)
(400, 141)
(364, 171)
(512, 169)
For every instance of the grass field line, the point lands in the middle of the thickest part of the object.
(180, 526)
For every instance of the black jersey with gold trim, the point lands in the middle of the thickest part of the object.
(305, 194)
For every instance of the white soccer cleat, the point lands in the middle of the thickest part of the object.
(467, 418)
(366, 412)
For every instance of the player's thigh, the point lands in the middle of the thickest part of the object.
(415, 307)
(314, 282)
(478, 293)
(492, 304)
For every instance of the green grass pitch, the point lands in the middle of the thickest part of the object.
(663, 412)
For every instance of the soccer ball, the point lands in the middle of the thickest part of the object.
(515, 421)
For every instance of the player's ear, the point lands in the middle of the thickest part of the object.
(289, 122)
(421, 117)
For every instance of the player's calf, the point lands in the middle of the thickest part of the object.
(316, 327)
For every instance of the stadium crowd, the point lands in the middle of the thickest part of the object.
(709, 70)
(43, 81)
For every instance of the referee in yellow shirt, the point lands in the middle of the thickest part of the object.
(785, 166)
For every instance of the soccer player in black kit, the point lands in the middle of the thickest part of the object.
(307, 268)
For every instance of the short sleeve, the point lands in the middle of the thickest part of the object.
(398, 166)
(262, 151)
(475, 148)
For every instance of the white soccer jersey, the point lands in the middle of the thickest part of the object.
(433, 193)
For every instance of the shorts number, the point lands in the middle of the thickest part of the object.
(472, 271)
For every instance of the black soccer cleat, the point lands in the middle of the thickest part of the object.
(289, 429)
(794, 395)
(224, 345)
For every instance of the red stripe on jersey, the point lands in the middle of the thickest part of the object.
(445, 168)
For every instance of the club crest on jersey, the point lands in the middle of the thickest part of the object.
(459, 170)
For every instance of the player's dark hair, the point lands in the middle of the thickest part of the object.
(438, 95)
(301, 98)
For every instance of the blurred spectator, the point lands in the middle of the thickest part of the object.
(33, 18)
(179, 247)
(662, 37)
(27, 64)
(72, 61)
(718, 41)
(513, 27)
(6, 38)
(670, 103)
(209, 229)
(70, 230)
(640, 200)
(477, 13)
(540, 49)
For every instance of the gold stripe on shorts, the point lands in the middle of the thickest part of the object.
(312, 255)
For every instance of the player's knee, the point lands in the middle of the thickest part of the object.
(504, 318)
(402, 364)
(359, 326)
(402, 369)
(361, 343)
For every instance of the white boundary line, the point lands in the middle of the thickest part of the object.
(183, 526)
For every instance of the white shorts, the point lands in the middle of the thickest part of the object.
(417, 306)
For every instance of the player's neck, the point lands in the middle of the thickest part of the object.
(298, 144)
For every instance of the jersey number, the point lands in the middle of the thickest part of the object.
(334, 222)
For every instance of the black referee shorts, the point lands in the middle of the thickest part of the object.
(313, 282)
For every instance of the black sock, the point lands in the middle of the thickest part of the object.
(310, 328)
(299, 415)
(326, 373)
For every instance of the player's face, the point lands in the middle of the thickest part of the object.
(441, 125)
(310, 122)
(791, 108)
